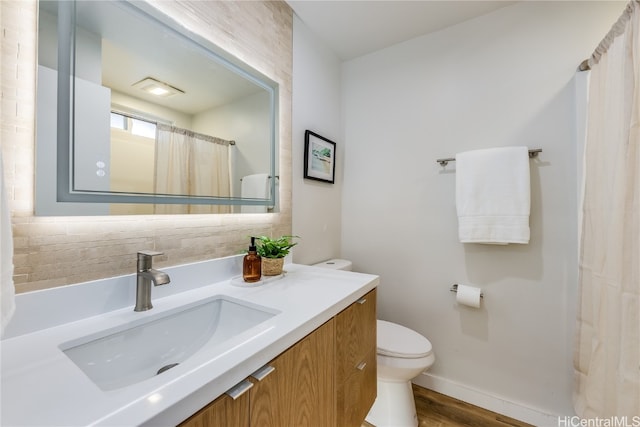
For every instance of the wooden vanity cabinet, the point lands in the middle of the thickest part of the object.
(224, 411)
(326, 379)
(299, 392)
(356, 368)
(294, 389)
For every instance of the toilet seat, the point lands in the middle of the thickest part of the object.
(398, 341)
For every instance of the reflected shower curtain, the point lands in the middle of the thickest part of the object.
(188, 163)
(210, 174)
(607, 354)
(172, 167)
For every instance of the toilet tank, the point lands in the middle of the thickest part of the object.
(335, 264)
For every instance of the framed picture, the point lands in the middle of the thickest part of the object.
(319, 157)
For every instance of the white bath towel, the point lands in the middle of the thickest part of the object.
(254, 187)
(7, 292)
(493, 195)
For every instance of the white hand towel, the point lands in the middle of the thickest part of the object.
(493, 195)
(7, 292)
(254, 187)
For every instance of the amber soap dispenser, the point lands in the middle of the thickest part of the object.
(252, 264)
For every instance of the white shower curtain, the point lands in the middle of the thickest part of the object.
(172, 168)
(607, 354)
(188, 163)
(210, 174)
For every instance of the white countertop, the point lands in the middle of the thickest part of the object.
(41, 386)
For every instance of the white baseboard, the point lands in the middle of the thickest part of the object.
(486, 401)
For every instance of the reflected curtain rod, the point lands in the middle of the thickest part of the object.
(152, 120)
(617, 29)
(160, 122)
(202, 136)
(532, 153)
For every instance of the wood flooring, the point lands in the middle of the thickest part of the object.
(437, 410)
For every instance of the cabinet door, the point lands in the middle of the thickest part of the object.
(356, 375)
(225, 411)
(356, 394)
(300, 391)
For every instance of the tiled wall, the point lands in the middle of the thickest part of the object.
(54, 251)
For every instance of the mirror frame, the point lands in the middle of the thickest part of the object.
(65, 117)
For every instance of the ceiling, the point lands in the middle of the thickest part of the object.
(352, 28)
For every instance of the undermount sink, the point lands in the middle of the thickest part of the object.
(126, 355)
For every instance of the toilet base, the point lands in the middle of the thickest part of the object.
(394, 406)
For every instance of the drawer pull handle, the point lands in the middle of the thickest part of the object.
(361, 366)
(361, 301)
(263, 372)
(239, 389)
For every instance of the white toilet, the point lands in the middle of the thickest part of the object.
(402, 355)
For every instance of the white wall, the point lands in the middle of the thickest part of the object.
(317, 206)
(502, 79)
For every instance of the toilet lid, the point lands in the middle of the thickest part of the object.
(398, 341)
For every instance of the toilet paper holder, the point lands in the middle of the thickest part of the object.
(454, 288)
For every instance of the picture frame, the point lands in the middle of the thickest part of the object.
(319, 157)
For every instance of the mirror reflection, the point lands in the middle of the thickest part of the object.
(158, 118)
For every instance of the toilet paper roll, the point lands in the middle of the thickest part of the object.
(468, 295)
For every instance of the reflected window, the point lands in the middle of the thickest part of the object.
(118, 121)
(134, 126)
(142, 128)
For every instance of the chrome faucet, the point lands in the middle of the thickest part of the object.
(147, 275)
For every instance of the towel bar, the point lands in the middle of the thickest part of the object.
(444, 162)
(454, 288)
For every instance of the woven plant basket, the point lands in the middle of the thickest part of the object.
(272, 266)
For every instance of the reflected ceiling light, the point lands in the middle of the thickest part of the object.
(157, 88)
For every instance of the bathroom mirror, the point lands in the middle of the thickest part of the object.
(138, 115)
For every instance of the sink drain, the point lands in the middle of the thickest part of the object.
(166, 368)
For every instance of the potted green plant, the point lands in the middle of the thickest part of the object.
(272, 252)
